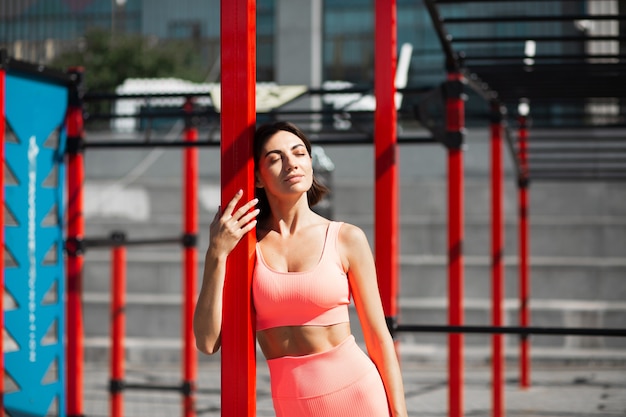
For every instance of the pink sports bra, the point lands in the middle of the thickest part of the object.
(319, 297)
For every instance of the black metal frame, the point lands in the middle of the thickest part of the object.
(564, 79)
(41, 71)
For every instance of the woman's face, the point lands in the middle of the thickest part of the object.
(285, 166)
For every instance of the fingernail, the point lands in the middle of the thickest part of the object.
(256, 200)
(239, 192)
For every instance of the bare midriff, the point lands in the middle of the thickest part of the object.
(301, 340)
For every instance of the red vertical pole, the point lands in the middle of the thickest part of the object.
(118, 328)
(238, 104)
(524, 271)
(2, 128)
(497, 263)
(455, 132)
(75, 234)
(190, 263)
(386, 154)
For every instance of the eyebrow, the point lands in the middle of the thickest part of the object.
(292, 148)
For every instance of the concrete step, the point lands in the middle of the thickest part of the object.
(168, 350)
(423, 236)
(147, 315)
(549, 235)
(145, 200)
(428, 196)
(160, 272)
(147, 272)
(423, 184)
(150, 197)
(153, 209)
(159, 315)
(544, 313)
(582, 278)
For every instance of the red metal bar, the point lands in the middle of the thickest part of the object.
(75, 234)
(2, 128)
(118, 328)
(190, 262)
(455, 122)
(386, 154)
(524, 269)
(238, 69)
(497, 263)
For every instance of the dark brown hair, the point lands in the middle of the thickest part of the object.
(261, 136)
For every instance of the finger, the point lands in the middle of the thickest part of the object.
(245, 208)
(248, 217)
(230, 207)
(248, 227)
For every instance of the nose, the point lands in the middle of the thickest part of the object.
(290, 163)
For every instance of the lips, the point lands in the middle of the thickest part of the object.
(293, 178)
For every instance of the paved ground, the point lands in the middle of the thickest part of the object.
(581, 388)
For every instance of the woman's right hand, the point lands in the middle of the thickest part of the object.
(229, 226)
(227, 229)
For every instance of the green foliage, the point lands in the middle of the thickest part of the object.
(109, 60)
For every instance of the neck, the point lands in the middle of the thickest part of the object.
(288, 216)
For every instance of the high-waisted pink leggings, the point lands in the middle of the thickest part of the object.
(341, 382)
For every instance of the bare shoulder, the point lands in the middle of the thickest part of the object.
(351, 235)
(353, 245)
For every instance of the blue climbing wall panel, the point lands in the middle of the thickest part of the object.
(33, 260)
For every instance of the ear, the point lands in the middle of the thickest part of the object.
(257, 180)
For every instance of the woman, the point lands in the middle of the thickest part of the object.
(307, 267)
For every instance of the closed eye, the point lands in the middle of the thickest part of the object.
(274, 156)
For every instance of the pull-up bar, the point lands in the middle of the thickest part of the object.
(519, 330)
(331, 139)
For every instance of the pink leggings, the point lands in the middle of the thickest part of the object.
(341, 382)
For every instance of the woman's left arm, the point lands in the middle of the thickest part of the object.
(357, 257)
